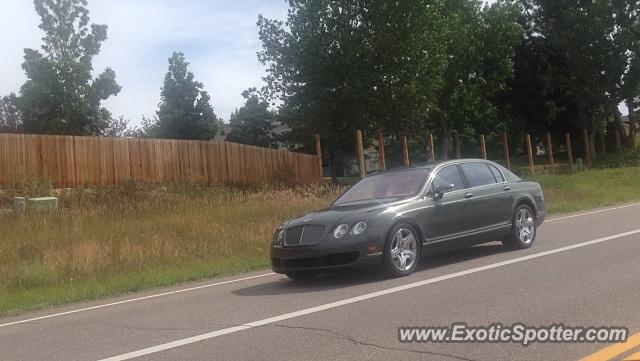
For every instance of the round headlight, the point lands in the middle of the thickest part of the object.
(278, 238)
(359, 227)
(341, 230)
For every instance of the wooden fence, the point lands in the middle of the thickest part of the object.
(71, 161)
(531, 150)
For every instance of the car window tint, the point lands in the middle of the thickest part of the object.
(401, 184)
(449, 175)
(477, 174)
(508, 175)
(496, 174)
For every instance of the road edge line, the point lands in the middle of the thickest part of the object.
(156, 295)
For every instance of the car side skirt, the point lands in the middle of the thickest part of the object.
(484, 235)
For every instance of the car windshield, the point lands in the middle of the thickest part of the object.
(401, 184)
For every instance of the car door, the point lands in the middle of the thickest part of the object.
(506, 196)
(489, 197)
(447, 216)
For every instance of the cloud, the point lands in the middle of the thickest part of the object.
(219, 39)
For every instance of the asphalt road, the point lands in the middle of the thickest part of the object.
(583, 270)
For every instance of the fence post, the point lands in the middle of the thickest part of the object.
(319, 153)
(530, 154)
(505, 148)
(567, 137)
(405, 150)
(363, 170)
(483, 147)
(432, 151)
(587, 149)
(381, 159)
(550, 152)
(458, 147)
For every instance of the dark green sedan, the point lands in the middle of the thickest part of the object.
(392, 218)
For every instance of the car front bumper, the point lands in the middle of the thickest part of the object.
(326, 256)
(540, 217)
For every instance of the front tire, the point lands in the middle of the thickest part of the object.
(402, 251)
(302, 276)
(523, 229)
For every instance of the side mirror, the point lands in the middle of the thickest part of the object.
(440, 189)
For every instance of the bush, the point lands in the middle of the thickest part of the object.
(621, 158)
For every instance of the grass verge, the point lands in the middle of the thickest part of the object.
(590, 189)
(106, 242)
(124, 239)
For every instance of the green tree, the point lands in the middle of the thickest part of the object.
(589, 53)
(406, 41)
(576, 64)
(480, 50)
(252, 123)
(626, 38)
(10, 117)
(60, 95)
(121, 127)
(340, 66)
(185, 112)
(314, 68)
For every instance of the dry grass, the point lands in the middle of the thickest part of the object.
(122, 239)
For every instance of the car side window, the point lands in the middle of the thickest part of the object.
(496, 174)
(448, 175)
(478, 174)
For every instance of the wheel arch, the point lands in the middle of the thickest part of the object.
(526, 201)
(410, 222)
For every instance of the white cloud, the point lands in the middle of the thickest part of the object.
(219, 39)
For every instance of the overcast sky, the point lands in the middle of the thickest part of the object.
(219, 39)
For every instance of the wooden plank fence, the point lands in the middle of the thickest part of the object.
(69, 161)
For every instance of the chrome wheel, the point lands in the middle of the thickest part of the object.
(404, 249)
(525, 226)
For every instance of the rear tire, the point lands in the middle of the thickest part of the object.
(402, 251)
(302, 276)
(523, 229)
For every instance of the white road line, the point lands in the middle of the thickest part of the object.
(592, 212)
(347, 301)
(136, 299)
(248, 278)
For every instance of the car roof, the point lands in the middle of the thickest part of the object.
(431, 165)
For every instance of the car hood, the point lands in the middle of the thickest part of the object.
(344, 213)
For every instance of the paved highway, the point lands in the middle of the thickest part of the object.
(582, 271)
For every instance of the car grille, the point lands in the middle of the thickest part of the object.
(306, 235)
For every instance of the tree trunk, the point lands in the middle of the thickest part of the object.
(332, 169)
(592, 135)
(617, 117)
(444, 145)
(632, 126)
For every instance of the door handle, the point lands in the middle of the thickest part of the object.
(468, 195)
(506, 188)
